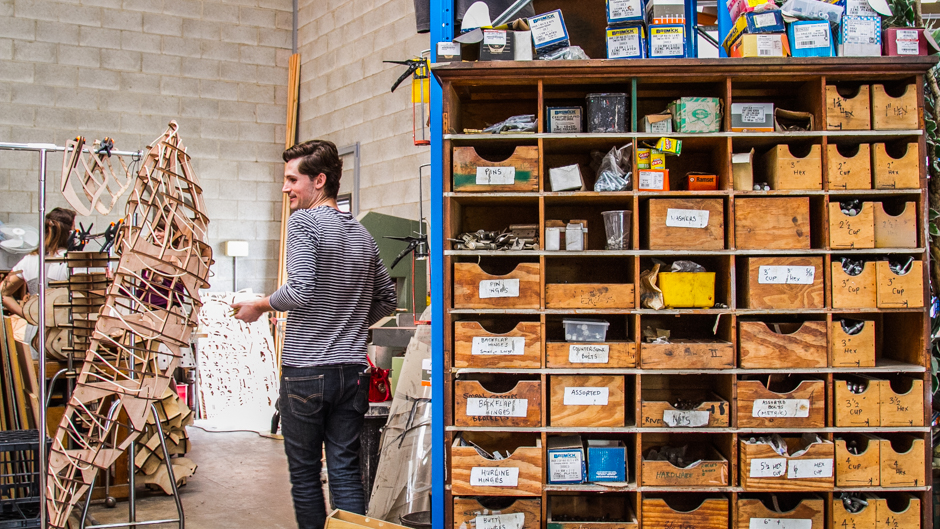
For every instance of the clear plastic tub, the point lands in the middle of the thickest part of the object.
(585, 330)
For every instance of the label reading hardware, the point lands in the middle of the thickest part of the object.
(497, 345)
(495, 176)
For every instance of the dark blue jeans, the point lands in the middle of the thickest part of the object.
(324, 405)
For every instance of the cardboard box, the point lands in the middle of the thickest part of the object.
(859, 37)
(624, 11)
(566, 459)
(765, 22)
(448, 51)
(761, 45)
(566, 178)
(626, 43)
(643, 158)
(701, 182)
(548, 32)
(696, 114)
(522, 45)
(742, 171)
(752, 117)
(653, 180)
(607, 460)
(564, 119)
(810, 38)
(665, 12)
(658, 123)
(904, 42)
(657, 160)
(738, 29)
(497, 45)
(816, 10)
(667, 41)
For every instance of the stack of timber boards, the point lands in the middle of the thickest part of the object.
(770, 356)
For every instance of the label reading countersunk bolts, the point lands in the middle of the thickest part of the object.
(623, 43)
(667, 42)
(588, 354)
(811, 36)
(547, 28)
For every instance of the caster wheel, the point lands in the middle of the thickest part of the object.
(110, 502)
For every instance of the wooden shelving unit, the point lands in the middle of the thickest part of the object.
(712, 363)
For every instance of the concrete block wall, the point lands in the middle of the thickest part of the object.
(124, 69)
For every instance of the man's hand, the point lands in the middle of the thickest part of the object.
(249, 311)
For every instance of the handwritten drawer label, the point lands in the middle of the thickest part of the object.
(770, 467)
(776, 523)
(494, 477)
(809, 468)
(685, 418)
(496, 176)
(589, 354)
(686, 218)
(781, 408)
(499, 288)
(501, 521)
(477, 407)
(497, 345)
(586, 396)
(786, 275)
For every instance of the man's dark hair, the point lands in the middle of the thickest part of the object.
(318, 156)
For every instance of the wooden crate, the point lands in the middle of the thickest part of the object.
(710, 470)
(768, 283)
(904, 409)
(520, 406)
(687, 354)
(475, 289)
(593, 400)
(585, 355)
(785, 171)
(853, 292)
(656, 406)
(863, 519)
(468, 510)
(474, 346)
(903, 467)
(675, 224)
(589, 508)
(520, 474)
(858, 409)
(778, 223)
(519, 172)
(861, 470)
(804, 407)
(589, 296)
(712, 513)
(907, 518)
(852, 350)
(848, 113)
(849, 172)
(895, 173)
(896, 231)
(894, 291)
(797, 345)
(851, 232)
(894, 113)
(764, 470)
(813, 509)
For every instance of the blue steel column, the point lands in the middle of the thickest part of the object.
(724, 26)
(442, 30)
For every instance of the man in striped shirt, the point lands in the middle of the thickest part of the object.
(337, 287)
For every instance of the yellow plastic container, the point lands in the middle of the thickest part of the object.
(688, 289)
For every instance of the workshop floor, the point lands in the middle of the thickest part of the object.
(241, 482)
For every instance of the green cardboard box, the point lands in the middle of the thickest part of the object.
(696, 114)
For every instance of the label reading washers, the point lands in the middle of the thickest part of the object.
(586, 396)
(686, 218)
(495, 176)
(786, 275)
(685, 418)
(477, 407)
(779, 408)
(499, 288)
(494, 477)
(777, 523)
(809, 468)
(500, 521)
(588, 354)
(769, 467)
(497, 345)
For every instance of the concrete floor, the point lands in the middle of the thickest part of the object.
(241, 482)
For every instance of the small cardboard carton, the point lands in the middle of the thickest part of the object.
(742, 171)
(607, 460)
(497, 45)
(900, 42)
(810, 38)
(736, 8)
(624, 11)
(761, 45)
(448, 51)
(667, 41)
(701, 182)
(548, 32)
(696, 114)
(653, 180)
(665, 12)
(765, 22)
(565, 120)
(566, 459)
(565, 178)
(752, 117)
(860, 36)
(628, 42)
(658, 123)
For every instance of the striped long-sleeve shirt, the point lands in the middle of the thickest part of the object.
(337, 287)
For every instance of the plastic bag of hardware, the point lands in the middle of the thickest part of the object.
(610, 175)
(686, 266)
(521, 123)
(571, 53)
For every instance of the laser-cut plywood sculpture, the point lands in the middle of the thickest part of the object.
(96, 179)
(150, 310)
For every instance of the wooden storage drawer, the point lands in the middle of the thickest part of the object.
(896, 231)
(852, 350)
(895, 173)
(858, 470)
(778, 223)
(851, 232)
(849, 171)
(585, 355)
(588, 296)
(474, 405)
(467, 511)
(786, 171)
(804, 407)
(783, 345)
(475, 289)
(894, 113)
(568, 508)
(682, 511)
(709, 470)
(902, 462)
(896, 291)
(687, 354)
(858, 409)
(587, 400)
(848, 113)
(686, 223)
(474, 346)
(863, 519)
(812, 509)
(906, 517)
(902, 408)
(853, 292)
(519, 172)
(657, 411)
(784, 283)
(520, 474)
(763, 469)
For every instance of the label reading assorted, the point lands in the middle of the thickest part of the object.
(586, 396)
(685, 418)
(786, 275)
(495, 176)
(811, 36)
(501, 521)
(588, 354)
(478, 407)
(494, 477)
(809, 468)
(770, 467)
(686, 218)
(497, 345)
(499, 288)
(777, 523)
(781, 408)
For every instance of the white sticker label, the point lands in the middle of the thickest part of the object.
(781, 408)
(764, 20)
(477, 407)
(686, 218)
(753, 114)
(494, 37)
(860, 8)
(667, 42)
(564, 120)
(546, 28)
(651, 179)
(786, 275)
(500, 521)
(494, 477)
(809, 468)
(811, 36)
(624, 8)
(588, 354)
(492, 176)
(586, 396)
(770, 467)
(448, 49)
(499, 288)
(565, 466)
(777, 523)
(685, 418)
(497, 345)
(907, 41)
(623, 44)
(769, 46)
(859, 31)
